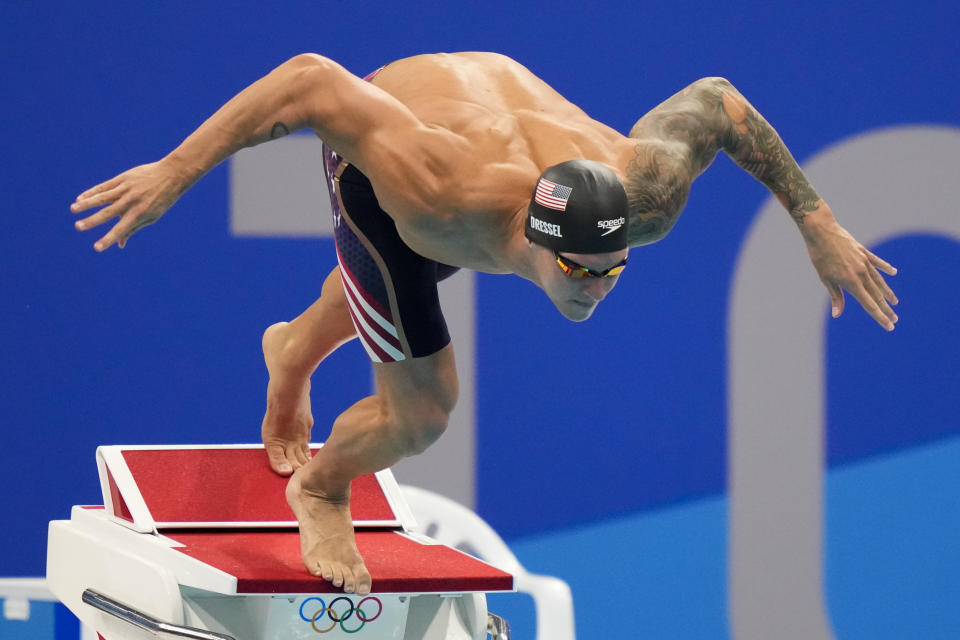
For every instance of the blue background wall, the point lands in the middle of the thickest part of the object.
(590, 435)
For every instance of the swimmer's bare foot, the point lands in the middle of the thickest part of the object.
(288, 420)
(327, 543)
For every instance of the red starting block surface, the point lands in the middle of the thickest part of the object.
(235, 485)
(224, 507)
(156, 488)
(269, 562)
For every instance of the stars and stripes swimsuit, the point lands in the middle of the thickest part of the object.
(390, 289)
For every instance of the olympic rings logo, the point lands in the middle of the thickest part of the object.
(342, 616)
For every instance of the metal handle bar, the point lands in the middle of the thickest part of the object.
(146, 622)
(497, 627)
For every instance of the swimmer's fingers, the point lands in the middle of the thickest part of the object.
(92, 199)
(844, 264)
(130, 222)
(104, 215)
(870, 298)
(837, 301)
(881, 264)
(876, 288)
(138, 197)
(885, 290)
(107, 185)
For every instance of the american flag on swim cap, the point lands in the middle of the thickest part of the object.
(552, 195)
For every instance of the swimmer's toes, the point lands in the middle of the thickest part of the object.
(349, 582)
(364, 583)
(324, 571)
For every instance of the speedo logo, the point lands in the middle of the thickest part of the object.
(610, 225)
(545, 227)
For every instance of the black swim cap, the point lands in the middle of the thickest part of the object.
(579, 206)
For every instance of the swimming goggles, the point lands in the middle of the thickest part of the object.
(574, 270)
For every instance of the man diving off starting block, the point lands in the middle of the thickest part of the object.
(468, 160)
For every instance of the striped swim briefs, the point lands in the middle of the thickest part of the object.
(391, 290)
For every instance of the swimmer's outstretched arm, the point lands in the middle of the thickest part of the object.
(306, 91)
(710, 115)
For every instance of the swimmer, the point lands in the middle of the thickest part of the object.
(448, 161)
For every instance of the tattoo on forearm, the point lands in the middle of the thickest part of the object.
(755, 146)
(278, 131)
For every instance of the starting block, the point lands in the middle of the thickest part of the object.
(198, 542)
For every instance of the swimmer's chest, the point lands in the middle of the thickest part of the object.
(470, 240)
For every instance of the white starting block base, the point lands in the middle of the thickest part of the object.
(223, 579)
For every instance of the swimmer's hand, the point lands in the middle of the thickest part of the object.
(843, 263)
(138, 197)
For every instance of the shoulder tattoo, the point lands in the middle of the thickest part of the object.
(657, 186)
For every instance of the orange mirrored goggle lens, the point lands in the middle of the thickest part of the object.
(574, 270)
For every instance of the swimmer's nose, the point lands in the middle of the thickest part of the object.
(597, 288)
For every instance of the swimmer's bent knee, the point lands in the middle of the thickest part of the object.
(420, 428)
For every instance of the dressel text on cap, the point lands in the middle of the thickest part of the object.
(546, 227)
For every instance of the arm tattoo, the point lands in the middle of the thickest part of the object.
(754, 145)
(278, 131)
(675, 143)
(680, 138)
(656, 193)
